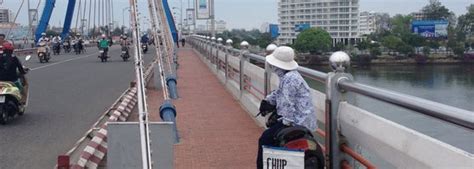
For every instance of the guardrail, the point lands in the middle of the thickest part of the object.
(346, 126)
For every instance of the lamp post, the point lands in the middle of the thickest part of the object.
(123, 15)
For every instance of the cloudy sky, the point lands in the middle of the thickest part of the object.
(244, 13)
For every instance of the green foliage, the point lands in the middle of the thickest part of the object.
(363, 45)
(314, 40)
(465, 21)
(117, 31)
(264, 39)
(392, 42)
(375, 51)
(405, 49)
(436, 11)
(459, 49)
(433, 44)
(426, 50)
(401, 24)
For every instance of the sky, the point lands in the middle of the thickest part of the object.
(245, 14)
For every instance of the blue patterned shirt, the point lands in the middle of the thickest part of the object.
(293, 100)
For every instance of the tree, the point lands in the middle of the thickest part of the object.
(465, 22)
(314, 40)
(363, 45)
(426, 50)
(264, 40)
(436, 11)
(51, 33)
(401, 24)
(392, 42)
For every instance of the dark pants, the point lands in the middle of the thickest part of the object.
(267, 139)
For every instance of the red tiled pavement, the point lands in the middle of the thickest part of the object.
(215, 131)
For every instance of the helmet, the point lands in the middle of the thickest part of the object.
(271, 47)
(103, 36)
(78, 34)
(43, 34)
(8, 46)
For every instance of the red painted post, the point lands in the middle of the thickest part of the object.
(63, 162)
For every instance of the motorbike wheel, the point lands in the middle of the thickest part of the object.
(3, 114)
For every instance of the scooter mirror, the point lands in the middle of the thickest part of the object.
(27, 57)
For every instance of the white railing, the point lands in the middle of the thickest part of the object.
(350, 126)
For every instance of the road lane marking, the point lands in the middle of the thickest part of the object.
(64, 61)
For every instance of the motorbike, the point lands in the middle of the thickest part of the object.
(43, 52)
(12, 101)
(103, 55)
(78, 48)
(296, 137)
(125, 55)
(56, 48)
(144, 47)
(67, 47)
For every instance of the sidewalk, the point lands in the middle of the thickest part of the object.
(215, 131)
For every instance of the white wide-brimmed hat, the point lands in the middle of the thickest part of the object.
(283, 57)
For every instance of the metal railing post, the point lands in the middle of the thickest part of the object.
(334, 95)
(267, 86)
(227, 53)
(244, 49)
(218, 60)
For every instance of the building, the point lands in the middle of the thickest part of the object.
(418, 16)
(338, 17)
(220, 26)
(4, 16)
(367, 23)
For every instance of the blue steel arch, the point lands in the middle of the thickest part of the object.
(68, 18)
(169, 17)
(44, 21)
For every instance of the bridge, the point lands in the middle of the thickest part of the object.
(203, 100)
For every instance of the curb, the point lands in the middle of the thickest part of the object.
(96, 138)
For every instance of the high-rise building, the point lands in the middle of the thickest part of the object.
(338, 17)
(4, 16)
(367, 23)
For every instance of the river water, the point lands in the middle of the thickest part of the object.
(448, 84)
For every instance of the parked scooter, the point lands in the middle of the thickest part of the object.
(43, 52)
(12, 101)
(125, 54)
(297, 138)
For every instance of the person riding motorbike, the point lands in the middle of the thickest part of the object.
(104, 44)
(144, 41)
(124, 43)
(45, 40)
(10, 65)
(56, 44)
(292, 100)
(67, 45)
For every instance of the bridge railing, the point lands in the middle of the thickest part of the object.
(346, 126)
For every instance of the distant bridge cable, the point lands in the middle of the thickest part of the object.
(14, 20)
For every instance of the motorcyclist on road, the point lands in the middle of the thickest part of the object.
(56, 42)
(45, 40)
(144, 39)
(10, 65)
(104, 44)
(292, 100)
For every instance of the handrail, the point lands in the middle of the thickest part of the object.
(450, 114)
(440, 111)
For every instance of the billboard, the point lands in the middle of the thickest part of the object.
(203, 9)
(274, 30)
(190, 16)
(302, 27)
(430, 28)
